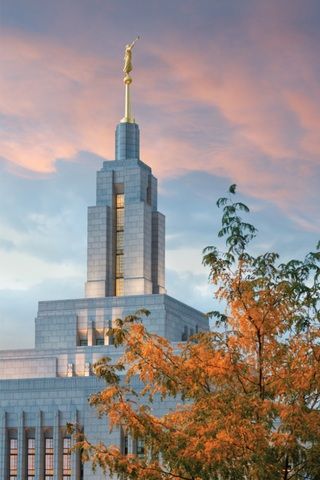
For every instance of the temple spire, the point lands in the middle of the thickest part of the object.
(128, 117)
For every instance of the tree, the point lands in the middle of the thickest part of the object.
(248, 394)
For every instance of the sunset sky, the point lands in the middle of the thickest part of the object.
(224, 91)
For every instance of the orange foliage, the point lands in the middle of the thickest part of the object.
(246, 397)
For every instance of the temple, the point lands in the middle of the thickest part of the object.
(125, 230)
(42, 389)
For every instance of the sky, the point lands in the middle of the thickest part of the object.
(224, 91)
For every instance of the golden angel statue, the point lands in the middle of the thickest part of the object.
(128, 58)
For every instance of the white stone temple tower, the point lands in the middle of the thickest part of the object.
(126, 233)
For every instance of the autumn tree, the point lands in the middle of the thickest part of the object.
(247, 394)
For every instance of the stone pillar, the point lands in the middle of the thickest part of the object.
(75, 456)
(91, 334)
(3, 445)
(21, 447)
(39, 447)
(57, 456)
(99, 263)
(158, 253)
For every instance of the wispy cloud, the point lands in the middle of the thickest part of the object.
(257, 96)
(54, 103)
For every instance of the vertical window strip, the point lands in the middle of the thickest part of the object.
(119, 243)
(140, 447)
(66, 461)
(48, 459)
(124, 442)
(13, 458)
(30, 458)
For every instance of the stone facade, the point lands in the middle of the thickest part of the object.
(42, 389)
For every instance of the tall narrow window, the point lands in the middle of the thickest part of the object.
(31, 458)
(124, 442)
(140, 447)
(66, 461)
(119, 241)
(184, 336)
(48, 459)
(119, 287)
(13, 458)
(81, 469)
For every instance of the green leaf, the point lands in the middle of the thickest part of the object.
(242, 206)
(222, 201)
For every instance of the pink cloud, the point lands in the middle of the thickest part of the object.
(273, 149)
(266, 96)
(56, 102)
